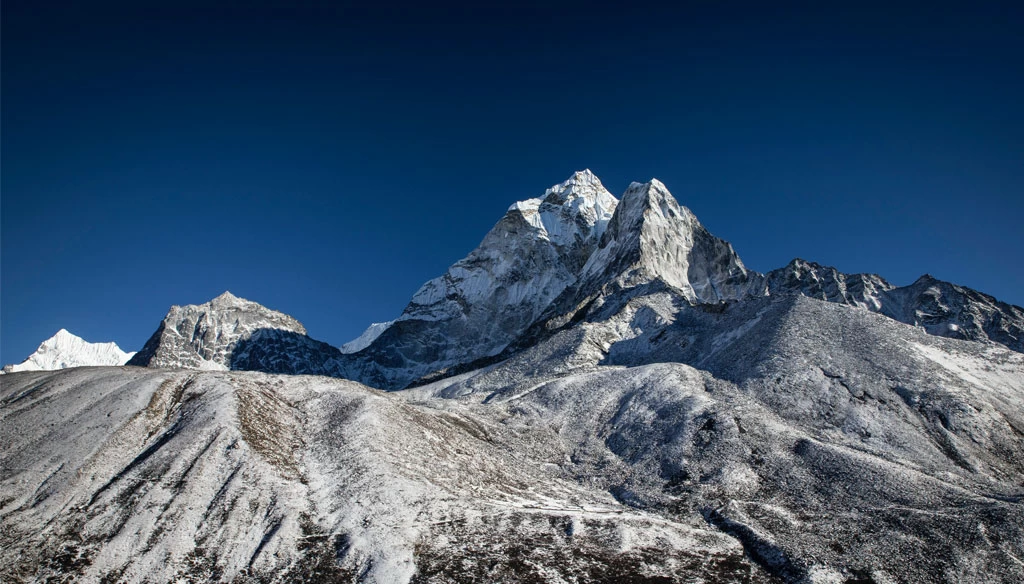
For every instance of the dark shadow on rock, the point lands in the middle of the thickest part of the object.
(289, 353)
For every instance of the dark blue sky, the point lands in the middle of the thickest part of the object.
(326, 160)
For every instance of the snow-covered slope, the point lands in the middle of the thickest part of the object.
(233, 333)
(64, 350)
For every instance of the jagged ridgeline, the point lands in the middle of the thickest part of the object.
(601, 391)
(574, 254)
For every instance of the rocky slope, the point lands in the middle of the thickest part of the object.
(64, 350)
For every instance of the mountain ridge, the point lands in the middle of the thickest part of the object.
(567, 256)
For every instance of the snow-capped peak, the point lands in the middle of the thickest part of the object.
(64, 350)
(226, 298)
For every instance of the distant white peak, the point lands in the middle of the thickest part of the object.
(64, 350)
(369, 335)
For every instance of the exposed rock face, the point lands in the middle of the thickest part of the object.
(949, 310)
(233, 333)
(64, 350)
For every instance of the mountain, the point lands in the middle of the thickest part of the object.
(64, 350)
(233, 333)
(575, 254)
(487, 299)
(827, 283)
(655, 413)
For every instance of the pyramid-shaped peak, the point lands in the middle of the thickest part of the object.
(229, 300)
(227, 296)
(652, 189)
(646, 206)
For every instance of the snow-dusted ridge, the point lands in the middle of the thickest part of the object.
(820, 444)
(64, 350)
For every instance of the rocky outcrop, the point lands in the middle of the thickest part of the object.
(233, 333)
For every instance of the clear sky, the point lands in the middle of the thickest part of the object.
(325, 158)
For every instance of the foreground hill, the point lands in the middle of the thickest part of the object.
(854, 450)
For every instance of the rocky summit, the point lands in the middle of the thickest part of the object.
(601, 391)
